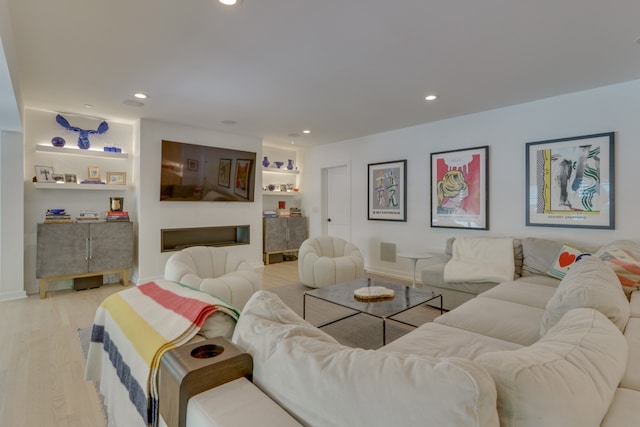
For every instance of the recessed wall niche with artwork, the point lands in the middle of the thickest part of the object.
(195, 173)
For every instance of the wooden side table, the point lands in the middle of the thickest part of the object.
(414, 257)
(193, 368)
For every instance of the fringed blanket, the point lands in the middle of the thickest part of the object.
(131, 332)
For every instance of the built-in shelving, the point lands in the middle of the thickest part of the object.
(281, 171)
(79, 152)
(71, 186)
(281, 193)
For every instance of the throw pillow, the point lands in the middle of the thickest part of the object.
(590, 283)
(567, 256)
(623, 257)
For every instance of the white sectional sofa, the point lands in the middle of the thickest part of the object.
(528, 353)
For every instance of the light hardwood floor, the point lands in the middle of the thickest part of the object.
(41, 362)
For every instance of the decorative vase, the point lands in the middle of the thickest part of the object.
(266, 162)
(290, 164)
(57, 141)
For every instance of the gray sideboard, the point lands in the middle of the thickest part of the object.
(68, 251)
(282, 235)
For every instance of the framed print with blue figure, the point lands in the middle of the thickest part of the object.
(460, 189)
(387, 200)
(570, 182)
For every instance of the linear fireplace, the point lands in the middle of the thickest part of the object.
(175, 239)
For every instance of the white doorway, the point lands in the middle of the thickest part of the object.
(336, 191)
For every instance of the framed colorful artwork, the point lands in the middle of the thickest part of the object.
(93, 173)
(243, 173)
(117, 178)
(570, 182)
(460, 188)
(387, 200)
(224, 172)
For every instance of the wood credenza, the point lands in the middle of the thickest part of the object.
(69, 251)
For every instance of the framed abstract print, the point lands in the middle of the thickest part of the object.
(460, 189)
(570, 182)
(243, 174)
(387, 199)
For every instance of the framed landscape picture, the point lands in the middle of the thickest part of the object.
(387, 193)
(570, 182)
(459, 188)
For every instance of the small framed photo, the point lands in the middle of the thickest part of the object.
(192, 164)
(224, 172)
(116, 178)
(570, 182)
(93, 173)
(58, 178)
(460, 188)
(44, 174)
(387, 195)
(70, 178)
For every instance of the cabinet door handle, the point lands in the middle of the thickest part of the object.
(87, 245)
(90, 248)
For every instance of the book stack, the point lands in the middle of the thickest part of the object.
(117, 216)
(88, 216)
(295, 211)
(284, 213)
(270, 214)
(57, 216)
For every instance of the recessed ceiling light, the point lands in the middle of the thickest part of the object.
(306, 131)
(141, 95)
(88, 106)
(293, 142)
(431, 97)
(230, 2)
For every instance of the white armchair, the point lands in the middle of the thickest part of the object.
(326, 260)
(215, 271)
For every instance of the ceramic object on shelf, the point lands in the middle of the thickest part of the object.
(290, 164)
(279, 164)
(57, 141)
(266, 162)
(271, 187)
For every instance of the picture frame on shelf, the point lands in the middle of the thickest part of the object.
(44, 174)
(570, 182)
(460, 188)
(224, 172)
(93, 173)
(117, 178)
(192, 164)
(70, 178)
(58, 178)
(387, 191)
(242, 182)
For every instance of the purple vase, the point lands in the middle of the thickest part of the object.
(290, 164)
(266, 162)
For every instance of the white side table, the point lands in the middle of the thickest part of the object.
(414, 257)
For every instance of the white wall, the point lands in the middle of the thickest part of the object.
(11, 217)
(40, 127)
(612, 108)
(155, 215)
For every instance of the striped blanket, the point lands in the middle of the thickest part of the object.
(132, 330)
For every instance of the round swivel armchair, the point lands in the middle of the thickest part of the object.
(215, 271)
(326, 260)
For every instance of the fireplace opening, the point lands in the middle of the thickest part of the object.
(175, 239)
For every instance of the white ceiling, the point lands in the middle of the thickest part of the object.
(343, 69)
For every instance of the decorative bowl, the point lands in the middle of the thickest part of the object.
(57, 141)
(271, 187)
(279, 164)
(56, 211)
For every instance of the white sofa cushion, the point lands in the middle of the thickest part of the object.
(327, 384)
(518, 323)
(568, 378)
(521, 292)
(623, 411)
(437, 340)
(589, 283)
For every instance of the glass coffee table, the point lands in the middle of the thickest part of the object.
(405, 298)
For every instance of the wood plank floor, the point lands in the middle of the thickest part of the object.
(41, 362)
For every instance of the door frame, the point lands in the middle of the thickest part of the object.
(324, 215)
